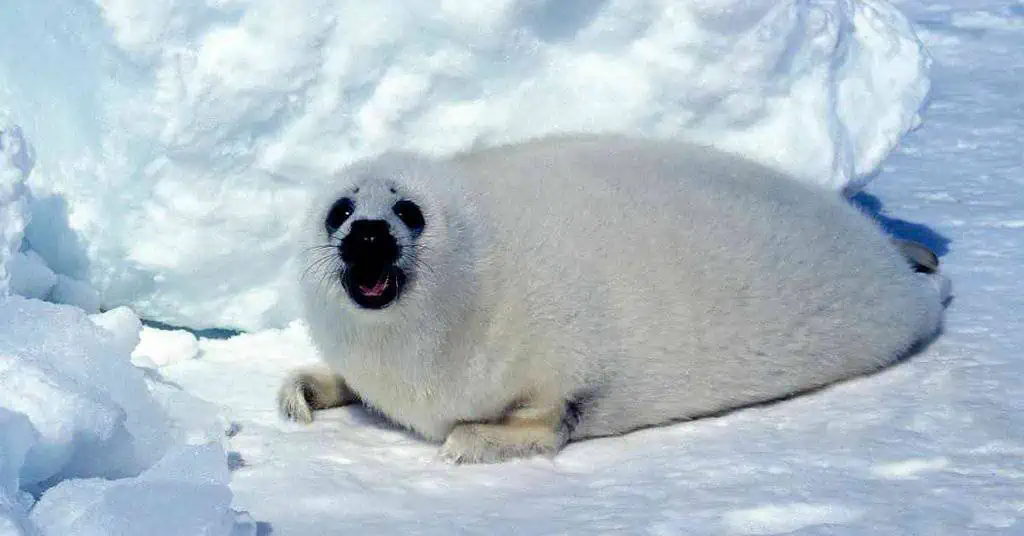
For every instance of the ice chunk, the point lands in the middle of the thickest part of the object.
(23, 271)
(15, 164)
(17, 436)
(72, 406)
(12, 524)
(123, 326)
(30, 276)
(92, 417)
(73, 292)
(83, 430)
(69, 421)
(186, 493)
(73, 380)
(159, 347)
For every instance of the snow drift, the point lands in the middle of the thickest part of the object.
(87, 444)
(177, 140)
(15, 165)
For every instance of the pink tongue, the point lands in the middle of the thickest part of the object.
(377, 289)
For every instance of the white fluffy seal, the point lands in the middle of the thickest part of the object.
(508, 300)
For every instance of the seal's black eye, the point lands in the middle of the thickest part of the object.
(410, 214)
(340, 211)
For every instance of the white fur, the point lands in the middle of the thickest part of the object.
(648, 281)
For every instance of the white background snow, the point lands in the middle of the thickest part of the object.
(154, 154)
(178, 137)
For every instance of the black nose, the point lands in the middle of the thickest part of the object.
(369, 242)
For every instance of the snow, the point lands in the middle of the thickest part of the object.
(84, 431)
(160, 347)
(181, 138)
(932, 446)
(110, 426)
(29, 276)
(185, 494)
(87, 441)
(15, 165)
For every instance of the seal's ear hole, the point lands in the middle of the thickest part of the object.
(340, 211)
(410, 214)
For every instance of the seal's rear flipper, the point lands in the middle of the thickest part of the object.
(924, 261)
(921, 258)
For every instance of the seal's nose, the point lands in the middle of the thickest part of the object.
(369, 242)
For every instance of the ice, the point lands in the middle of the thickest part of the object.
(85, 445)
(84, 431)
(788, 518)
(93, 412)
(159, 347)
(164, 501)
(178, 140)
(30, 276)
(15, 164)
(23, 271)
(17, 437)
(73, 292)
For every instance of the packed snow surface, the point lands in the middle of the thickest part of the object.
(178, 140)
(110, 427)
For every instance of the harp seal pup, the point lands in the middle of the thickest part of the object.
(509, 300)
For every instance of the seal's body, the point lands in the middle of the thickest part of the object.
(571, 287)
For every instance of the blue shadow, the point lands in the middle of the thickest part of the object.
(873, 207)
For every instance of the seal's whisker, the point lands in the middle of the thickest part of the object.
(318, 264)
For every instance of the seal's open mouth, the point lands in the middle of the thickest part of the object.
(378, 288)
(373, 287)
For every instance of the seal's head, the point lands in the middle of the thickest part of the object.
(385, 234)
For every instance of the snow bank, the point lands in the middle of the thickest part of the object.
(15, 164)
(186, 494)
(23, 271)
(80, 429)
(178, 139)
(83, 433)
(88, 446)
(159, 347)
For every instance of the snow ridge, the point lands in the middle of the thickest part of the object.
(181, 138)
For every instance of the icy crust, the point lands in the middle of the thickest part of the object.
(88, 446)
(186, 493)
(179, 139)
(23, 271)
(15, 163)
(82, 432)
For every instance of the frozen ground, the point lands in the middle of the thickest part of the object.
(930, 447)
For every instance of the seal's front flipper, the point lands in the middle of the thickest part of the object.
(312, 388)
(921, 258)
(525, 431)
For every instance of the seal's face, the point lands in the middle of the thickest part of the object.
(373, 234)
(392, 239)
